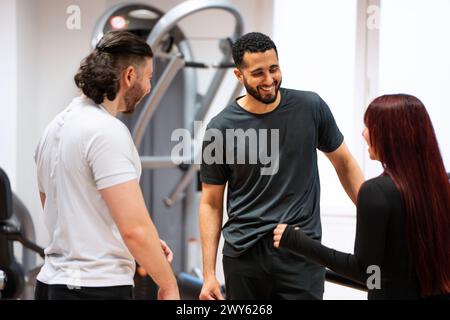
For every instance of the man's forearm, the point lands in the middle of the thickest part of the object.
(351, 177)
(144, 245)
(127, 207)
(210, 227)
(347, 169)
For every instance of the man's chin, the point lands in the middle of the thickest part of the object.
(129, 110)
(268, 99)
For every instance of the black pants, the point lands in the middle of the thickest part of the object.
(264, 272)
(63, 292)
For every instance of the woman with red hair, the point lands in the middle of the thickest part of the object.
(403, 216)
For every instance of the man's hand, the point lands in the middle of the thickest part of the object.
(211, 290)
(167, 252)
(277, 234)
(171, 294)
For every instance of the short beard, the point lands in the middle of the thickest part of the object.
(255, 94)
(132, 98)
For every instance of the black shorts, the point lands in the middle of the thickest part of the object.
(264, 272)
(63, 292)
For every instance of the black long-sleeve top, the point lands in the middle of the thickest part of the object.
(380, 240)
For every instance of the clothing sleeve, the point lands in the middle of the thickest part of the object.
(372, 219)
(213, 168)
(109, 154)
(37, 162)
(329, 135)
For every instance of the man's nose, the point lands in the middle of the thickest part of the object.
(268, 79)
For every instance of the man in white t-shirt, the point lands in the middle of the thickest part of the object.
(88, 173)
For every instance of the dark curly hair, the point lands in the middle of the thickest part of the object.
(99, 73)
(251, 42)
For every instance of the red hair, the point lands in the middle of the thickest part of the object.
(403, 138)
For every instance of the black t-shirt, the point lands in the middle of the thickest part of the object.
(257, 201)
(380, 241)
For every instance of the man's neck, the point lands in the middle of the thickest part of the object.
(112, 106)
(254, 106)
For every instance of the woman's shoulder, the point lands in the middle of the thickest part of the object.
(381, 189)
(383, 182)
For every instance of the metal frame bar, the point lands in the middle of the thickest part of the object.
(99, 26)
(173, 16)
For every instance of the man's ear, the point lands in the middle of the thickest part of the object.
(129, 76)
(238, 75)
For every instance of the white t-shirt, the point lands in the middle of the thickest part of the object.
(83, 150)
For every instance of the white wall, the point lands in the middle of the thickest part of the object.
(8, 89)
(414, 58)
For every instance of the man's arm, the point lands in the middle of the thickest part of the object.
(211, 213)
(347, 169)
(127, 207)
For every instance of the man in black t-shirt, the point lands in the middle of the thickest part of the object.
(264, 146)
